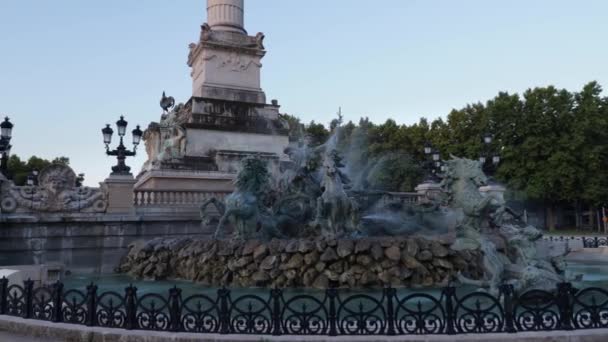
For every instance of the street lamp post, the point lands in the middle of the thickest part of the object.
(6, 129)
(489, 159)
(433, 163)
(121, 152)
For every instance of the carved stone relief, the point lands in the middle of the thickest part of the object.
(56, 192)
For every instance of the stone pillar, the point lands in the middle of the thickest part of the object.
(226, 15)
(496, 190)
(428, 191)
(120, 194)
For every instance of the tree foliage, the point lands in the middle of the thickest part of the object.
(19, 169)
(553, 142)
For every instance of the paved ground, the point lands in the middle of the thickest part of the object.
(9, 337)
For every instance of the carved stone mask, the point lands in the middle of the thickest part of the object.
(57, 178)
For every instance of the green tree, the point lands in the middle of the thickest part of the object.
(19, 170)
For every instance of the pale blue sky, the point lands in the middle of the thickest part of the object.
(67, 67)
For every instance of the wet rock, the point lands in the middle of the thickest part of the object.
(443, 263)
(269, 262)
(260, 277)
(410, 262)
(368, 279)
(393, 253)
(438, 250)
(306, 246)
(309, 277)
(425, 255)
(292, 246)
(311, 258)
(291, 274)
(411, 247)
(345, 248)
(377, 252)
(331, 275)
(337, 267)
(364, 260)
(321, 245)
(225, 248)
(329, 255)
(260, 252)
(321, 282)
(356, 269)
(363, 245)
(348, 278)
(296, 261)
(250, 247)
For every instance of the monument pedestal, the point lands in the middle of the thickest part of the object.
(120, 194)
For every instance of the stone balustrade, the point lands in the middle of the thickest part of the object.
(148, 198)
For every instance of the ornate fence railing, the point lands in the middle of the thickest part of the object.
(332, 312)
(588, 241)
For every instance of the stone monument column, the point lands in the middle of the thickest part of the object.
(226, 15)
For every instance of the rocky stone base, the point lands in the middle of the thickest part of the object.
(412, 262)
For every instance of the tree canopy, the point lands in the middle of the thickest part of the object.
(19, 169)
(553, 142)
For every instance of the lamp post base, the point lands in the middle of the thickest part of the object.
(120, 194)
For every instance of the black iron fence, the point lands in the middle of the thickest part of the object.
(332, 312)
(588, 241)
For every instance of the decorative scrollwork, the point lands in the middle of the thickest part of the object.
(536, 310)
(201, 314)
(420, 313)
(111, 310)
(361, 315)
(153, 312)
(590, 308)
(42, 304)
(479, 312)
(250, 315)
(74, 307)
(304, 315)
(15, 301)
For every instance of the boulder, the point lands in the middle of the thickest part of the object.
(260, 252)
(321, 282)
(292, 246)
(309, 277)
(411, 247)
(337, 267)
(393, 253)
(269, 262)
(410, 262)
(438, 250)
(442, 263)
(260, 277)
(321, 245)
(250, 247)
(424, 255)
(311, 258)
(363, 245)
(345, 248)
(329, 255)
(306, 246)
(368, 279)
(296, 261)
(377, 252)
(364, 260)
(320, 266)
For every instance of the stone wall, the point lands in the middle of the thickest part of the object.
(301, 263)
(91, 244)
